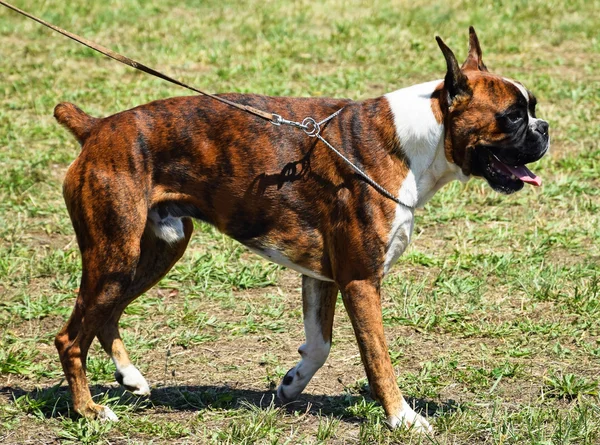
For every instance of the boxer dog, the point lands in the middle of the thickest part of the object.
(143, 174)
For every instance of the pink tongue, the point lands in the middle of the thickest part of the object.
(524, 174)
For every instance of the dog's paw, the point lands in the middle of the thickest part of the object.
(291, 386)
(296, 379)
(132, 380)
(409, 419)
(105, 414)
(93, 411)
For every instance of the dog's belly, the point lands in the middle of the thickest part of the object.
(279, 258)
(170, 228)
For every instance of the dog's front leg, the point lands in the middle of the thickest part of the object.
(363, 303)
(318, 305)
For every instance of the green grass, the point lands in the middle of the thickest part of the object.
(492, 315)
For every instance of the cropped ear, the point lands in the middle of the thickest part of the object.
(455, 81)
(474, 60)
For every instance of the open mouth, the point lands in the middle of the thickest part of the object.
(517, 172)
(503, 177)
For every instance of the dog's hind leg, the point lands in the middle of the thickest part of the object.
(107, 272)
(109, 217)
(318, 305)
(157, 257)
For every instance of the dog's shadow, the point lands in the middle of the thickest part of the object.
(56, 401)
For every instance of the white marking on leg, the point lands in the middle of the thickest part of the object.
(132, 379)
(107, 415)
(408, 418)
(314, 352)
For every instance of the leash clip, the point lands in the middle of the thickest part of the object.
(276, 120)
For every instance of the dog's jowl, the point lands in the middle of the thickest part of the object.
(143, 174)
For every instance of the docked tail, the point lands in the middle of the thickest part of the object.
(75, 120)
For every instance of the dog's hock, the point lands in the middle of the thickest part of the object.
(315, 354)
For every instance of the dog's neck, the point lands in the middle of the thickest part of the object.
(420, 129)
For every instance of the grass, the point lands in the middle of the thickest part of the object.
(492, 316)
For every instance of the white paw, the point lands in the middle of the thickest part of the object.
(106, 415)
(292, 385)
(133, 380)
(300, 375)
(409, 419)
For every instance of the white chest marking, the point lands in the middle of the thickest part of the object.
(422, 141)
(402, 227)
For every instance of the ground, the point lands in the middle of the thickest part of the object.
(492, 315)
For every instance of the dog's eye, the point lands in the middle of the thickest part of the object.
(514, 117)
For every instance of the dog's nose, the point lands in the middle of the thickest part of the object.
(542, 127)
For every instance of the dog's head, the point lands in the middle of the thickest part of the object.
(490, 123)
